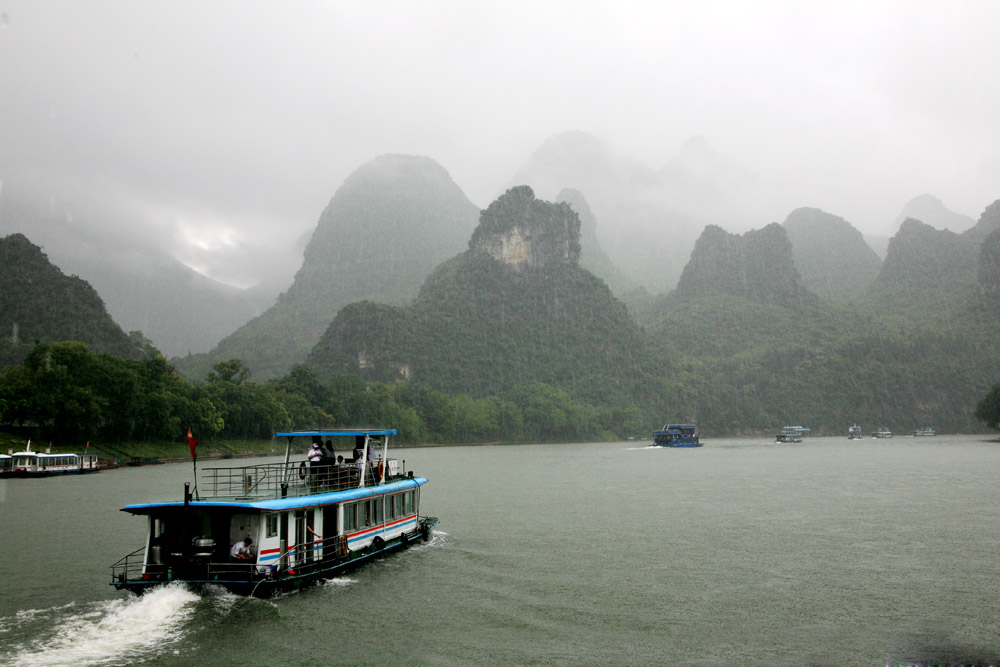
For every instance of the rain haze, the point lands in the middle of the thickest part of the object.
(217, 132)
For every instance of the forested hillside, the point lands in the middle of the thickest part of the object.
(512, 312)
(39, 303)
(918, 347)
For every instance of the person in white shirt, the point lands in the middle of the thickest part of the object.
(241, 550)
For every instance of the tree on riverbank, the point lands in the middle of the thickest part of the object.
(988, 409)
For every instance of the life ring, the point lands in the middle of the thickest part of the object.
(302, 470)
(377, 544)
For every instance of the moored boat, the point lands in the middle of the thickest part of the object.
(925, 430)
(6, 465)
(854, 432)
(677, 435)
(262, 529)
(38, 464)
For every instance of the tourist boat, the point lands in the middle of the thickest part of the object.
(306, 521)
(854, 432)
(677, 435)
(38, 464)
(792, 434)
(882, 433)
(6, 465)
(925, 430)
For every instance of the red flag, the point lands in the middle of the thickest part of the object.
(88, 446)
(192, 443)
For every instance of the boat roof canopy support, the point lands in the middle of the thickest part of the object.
(338, 432)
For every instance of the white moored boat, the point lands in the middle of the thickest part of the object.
(38, 464)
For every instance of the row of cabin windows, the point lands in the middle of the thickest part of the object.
(373, 512)
(364, 513)
(46, 462)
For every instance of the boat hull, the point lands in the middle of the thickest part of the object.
(274, 582)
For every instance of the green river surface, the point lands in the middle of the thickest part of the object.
(741, 552)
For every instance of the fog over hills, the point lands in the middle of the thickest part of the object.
(384, 230)
(648, 220)
(143, 286)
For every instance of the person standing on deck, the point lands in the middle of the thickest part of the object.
(315, 456)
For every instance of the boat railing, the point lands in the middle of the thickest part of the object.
(275, 480)
(129, 568)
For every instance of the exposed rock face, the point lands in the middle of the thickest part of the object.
(523, 232)
(831, 255)
(757, 265)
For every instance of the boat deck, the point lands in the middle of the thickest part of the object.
(279, 480)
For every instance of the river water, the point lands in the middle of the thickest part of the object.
(750, 552)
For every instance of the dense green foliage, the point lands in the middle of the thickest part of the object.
(68, 395)
(988, 409)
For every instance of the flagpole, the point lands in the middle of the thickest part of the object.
(192, 443)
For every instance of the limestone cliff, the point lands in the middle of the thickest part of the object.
(523, 232)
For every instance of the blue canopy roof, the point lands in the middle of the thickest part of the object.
(338, 431)
(291, 502)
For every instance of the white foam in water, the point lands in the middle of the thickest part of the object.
(113, 632)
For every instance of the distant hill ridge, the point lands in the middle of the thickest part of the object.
(758, 266)
(483, 324)
(830, 254)
(387, 226)
(38, 302)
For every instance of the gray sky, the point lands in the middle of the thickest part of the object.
(220, 130)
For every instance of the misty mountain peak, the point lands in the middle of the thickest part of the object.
(757, 266)
(521, 231)
(931, 210)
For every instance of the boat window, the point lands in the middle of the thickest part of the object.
(350, 516)
(409, 502)
(380, 510)
(272, 525)
(368, 509)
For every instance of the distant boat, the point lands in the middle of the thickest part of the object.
(37, 464)
(882, 433)
(926, 430)
(792, 434)
(854, 432)
(6, 465)
(677, 435)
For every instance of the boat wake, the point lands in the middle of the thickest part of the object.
(111, 632)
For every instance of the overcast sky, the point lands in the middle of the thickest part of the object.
(220, 130)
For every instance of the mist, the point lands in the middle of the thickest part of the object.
(217, 134)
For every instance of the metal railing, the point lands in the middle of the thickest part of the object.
(276, 480)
